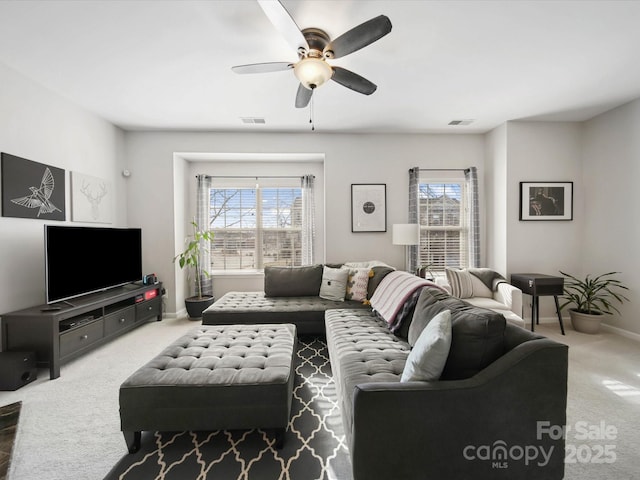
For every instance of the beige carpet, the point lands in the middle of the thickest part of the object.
(69, 427)
(603, 413)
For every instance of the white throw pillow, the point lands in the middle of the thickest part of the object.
(460, 282)
(334, 283)
(429, 355)
(357, 283)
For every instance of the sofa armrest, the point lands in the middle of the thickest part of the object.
(419, 430)
(510, 296)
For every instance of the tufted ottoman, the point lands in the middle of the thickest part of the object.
(220, 377)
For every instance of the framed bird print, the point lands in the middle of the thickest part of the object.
(31, 189)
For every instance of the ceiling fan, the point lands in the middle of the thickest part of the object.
(314, 48)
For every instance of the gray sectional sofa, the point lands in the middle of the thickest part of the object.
(487, 416)
(291, 295)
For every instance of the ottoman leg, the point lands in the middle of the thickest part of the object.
(132, 439)
(280, 438)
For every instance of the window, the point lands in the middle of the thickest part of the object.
(444, 222)
(256, 226)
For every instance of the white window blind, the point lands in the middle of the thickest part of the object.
(444, 220)
(255, 223)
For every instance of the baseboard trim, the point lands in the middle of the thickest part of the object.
(620, 331)
(603, 326)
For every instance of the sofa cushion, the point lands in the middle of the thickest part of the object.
(361, 350)
(292, 281)
(477, 333)
(429, 355)
(379, 272)
(460, 281)
(357, 283)
(478, 287)
(334, 283)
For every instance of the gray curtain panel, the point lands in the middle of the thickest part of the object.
(414, 250)
(203, 220)
(471, 175)
(308, 218)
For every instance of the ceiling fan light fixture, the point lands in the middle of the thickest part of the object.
(312, 72)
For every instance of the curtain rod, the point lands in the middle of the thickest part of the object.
(254, 176)
(441, 169)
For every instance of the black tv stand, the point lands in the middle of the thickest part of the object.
(60, 335)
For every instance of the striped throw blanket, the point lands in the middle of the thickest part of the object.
(393, 292)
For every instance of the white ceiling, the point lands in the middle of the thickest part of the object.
(167, 64)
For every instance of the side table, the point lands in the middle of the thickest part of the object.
(538, 285)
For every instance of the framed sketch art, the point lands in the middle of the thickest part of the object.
(546, 201)
(369, 207)
(91, 199)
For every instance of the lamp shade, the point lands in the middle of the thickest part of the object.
(406, 234)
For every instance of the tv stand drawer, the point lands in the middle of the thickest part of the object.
(119, 320)
(76, 339)
(149, 309)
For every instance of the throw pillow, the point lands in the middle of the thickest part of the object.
(379, 272)
(334, 283)
(461, 283)
(428, 357)
(477, 333)
(292, 281)
(357, 283)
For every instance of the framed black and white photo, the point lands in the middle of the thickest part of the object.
(369, 207)
(31, 189)
(546, 201)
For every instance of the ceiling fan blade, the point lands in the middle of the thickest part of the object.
(284, 23)
(353, 81)
(303, 97)
(262, 67)
(360, 36)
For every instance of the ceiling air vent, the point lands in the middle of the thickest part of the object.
(253, 120)
(461, 122)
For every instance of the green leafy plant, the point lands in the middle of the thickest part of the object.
(593, 295)
(196, 243)
(423, 269)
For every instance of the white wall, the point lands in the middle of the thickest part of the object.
(543, 151)
(38, 125)
(348, 159)
(496, 198)
(611, 202)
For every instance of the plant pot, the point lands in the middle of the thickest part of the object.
(196, 305)
(585, 322)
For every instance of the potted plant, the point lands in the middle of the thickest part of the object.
(190, 258)
(422, 271)
(592, 297)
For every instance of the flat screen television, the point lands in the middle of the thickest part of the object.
(82, 260)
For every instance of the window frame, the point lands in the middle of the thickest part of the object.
(425, 257)
(259, 230)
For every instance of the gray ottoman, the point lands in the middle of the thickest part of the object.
(220, 377)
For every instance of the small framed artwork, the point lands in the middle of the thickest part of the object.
(369, 207)
(90, 199)
(546, 201)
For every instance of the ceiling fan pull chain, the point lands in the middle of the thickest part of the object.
(313, 127)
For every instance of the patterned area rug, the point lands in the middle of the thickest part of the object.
(9, 415)
(314, 446)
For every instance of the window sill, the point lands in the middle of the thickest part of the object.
(237, 273)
